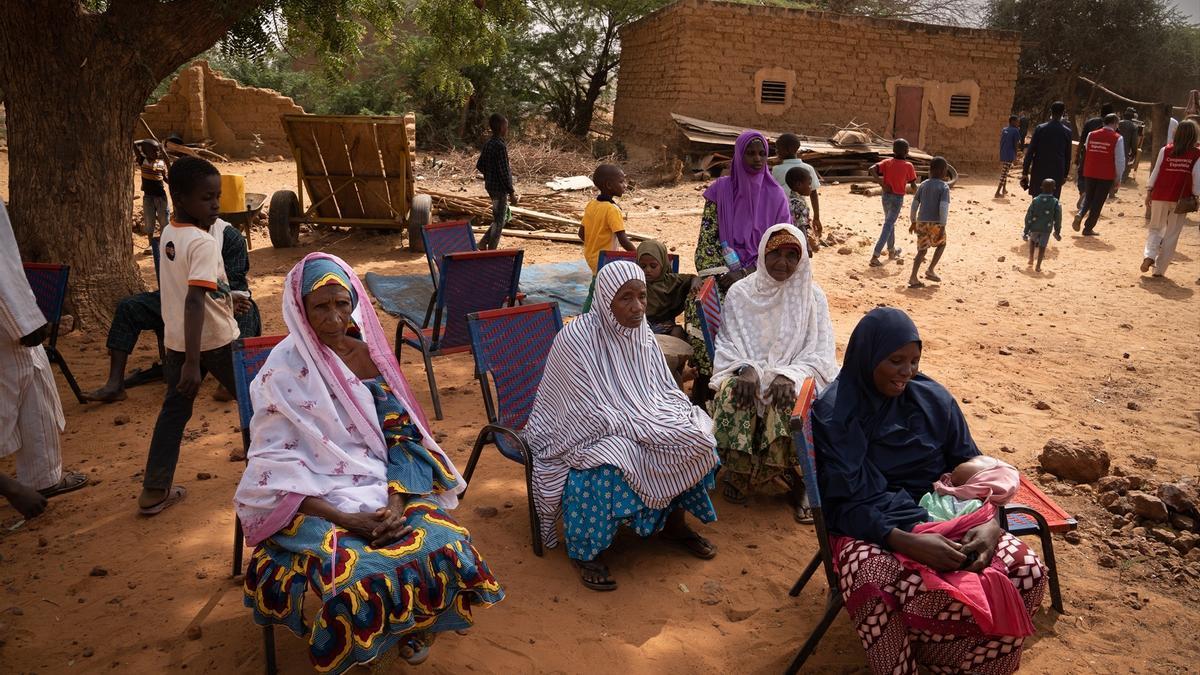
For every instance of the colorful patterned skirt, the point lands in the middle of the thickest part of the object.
(754, 450)
(901, 623)
(426, 582)
(598, 501)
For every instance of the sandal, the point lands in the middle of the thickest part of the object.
(932, 277)
(875, 262)
(916, 284)
(70, 482)
(417, 646)
(600, 579)
(174, 496)
(732, 494)
(695, 544)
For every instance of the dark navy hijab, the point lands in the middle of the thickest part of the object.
(877, 455)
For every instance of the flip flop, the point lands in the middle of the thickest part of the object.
(71, 481)
(932, 277)
(418, 646)
(695, 544)
(599, 569)
(174, 495)
(733, 495)
(916, 284)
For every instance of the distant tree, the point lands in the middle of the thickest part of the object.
(1117, 42)
(76, 74)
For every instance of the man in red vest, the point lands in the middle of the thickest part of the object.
(1103, 163)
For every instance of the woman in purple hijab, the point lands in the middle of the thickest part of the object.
(738, 208)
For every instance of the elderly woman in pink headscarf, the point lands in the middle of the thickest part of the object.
(346, 492)
(738, 209)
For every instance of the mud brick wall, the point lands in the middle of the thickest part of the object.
(204, 104)
(705, 59)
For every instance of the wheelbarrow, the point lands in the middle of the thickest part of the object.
(242, 219)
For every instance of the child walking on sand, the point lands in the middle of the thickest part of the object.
(603, 227)
(199, 326)
(799, 182)
(895, 175)
(930, 210)
(497, 179)
(1044, 215)
(154, 196)
(1009, 141)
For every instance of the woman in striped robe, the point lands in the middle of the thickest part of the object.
(614, 440)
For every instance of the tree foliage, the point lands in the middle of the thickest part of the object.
(1116, 42)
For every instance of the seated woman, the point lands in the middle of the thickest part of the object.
(614, 440)
(346, 491)
(884, 433)
(775, 332)
(667, 292)
(738, 209)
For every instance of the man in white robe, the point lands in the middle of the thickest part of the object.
(31, 417)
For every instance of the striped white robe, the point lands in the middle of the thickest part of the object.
(31, 415)
(607, 397)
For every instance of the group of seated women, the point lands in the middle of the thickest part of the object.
(346, 491)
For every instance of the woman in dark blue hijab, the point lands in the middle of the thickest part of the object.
(884, 433)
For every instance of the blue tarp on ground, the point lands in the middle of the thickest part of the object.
(564, 282)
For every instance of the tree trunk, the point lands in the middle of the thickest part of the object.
(72, 104)
(585, 108)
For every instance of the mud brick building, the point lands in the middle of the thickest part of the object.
(947, 90)
(241, 121)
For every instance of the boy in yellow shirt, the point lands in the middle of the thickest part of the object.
(603, 227)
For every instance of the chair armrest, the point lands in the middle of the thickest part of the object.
(412, 326)
(512, 434)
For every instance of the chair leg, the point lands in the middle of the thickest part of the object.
(237, 546)
(480, 441)
(1051, 568)
(56, 356)
(805, 575)
(433, 390)
(535, 525)
(810, 645)
(269, 649)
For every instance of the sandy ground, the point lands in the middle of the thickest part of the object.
(1070, 333)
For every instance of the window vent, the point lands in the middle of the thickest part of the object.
(773, 92)
(960, 105)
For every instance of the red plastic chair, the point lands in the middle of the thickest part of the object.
(249, 355)
(49, 284)
(510, 347)
(469, 282)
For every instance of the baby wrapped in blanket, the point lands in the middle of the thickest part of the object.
(965, 489)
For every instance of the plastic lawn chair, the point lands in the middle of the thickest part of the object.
(49, 284)
(441, 238)
(709, 313)
(1031, 512)
(468, 282)
(801, 427)
(510, 347)
(249, 354)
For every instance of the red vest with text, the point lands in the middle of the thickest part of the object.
(1175, 175)
(1100, 162)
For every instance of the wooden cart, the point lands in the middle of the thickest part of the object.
(357, 171)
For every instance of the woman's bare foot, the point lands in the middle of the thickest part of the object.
(109, 393)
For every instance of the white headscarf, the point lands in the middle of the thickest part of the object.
(607, 397)
(776, 327)
(315, 432)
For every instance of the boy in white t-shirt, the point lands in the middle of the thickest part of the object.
(786, 148)
(198, 323)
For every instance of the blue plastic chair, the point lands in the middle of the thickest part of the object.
(469, 282)
(708, 312)
(49, 284)
(440, 239)
(801, 428)
(631, 256)
(510, 347)
(249, 354)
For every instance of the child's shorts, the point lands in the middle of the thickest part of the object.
(930, 235)
(1039, 239)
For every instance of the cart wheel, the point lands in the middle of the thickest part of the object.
(419, 216)
(283, 220)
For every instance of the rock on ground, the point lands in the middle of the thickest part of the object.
(1147, 506)
(1183, 496)
(1080, 461)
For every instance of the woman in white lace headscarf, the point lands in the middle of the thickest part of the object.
(775, 333)
(614, 440)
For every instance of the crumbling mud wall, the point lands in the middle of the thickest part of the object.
(202, 104)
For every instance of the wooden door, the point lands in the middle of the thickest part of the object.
(907, 121)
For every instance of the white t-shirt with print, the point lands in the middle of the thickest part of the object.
(189, 256)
